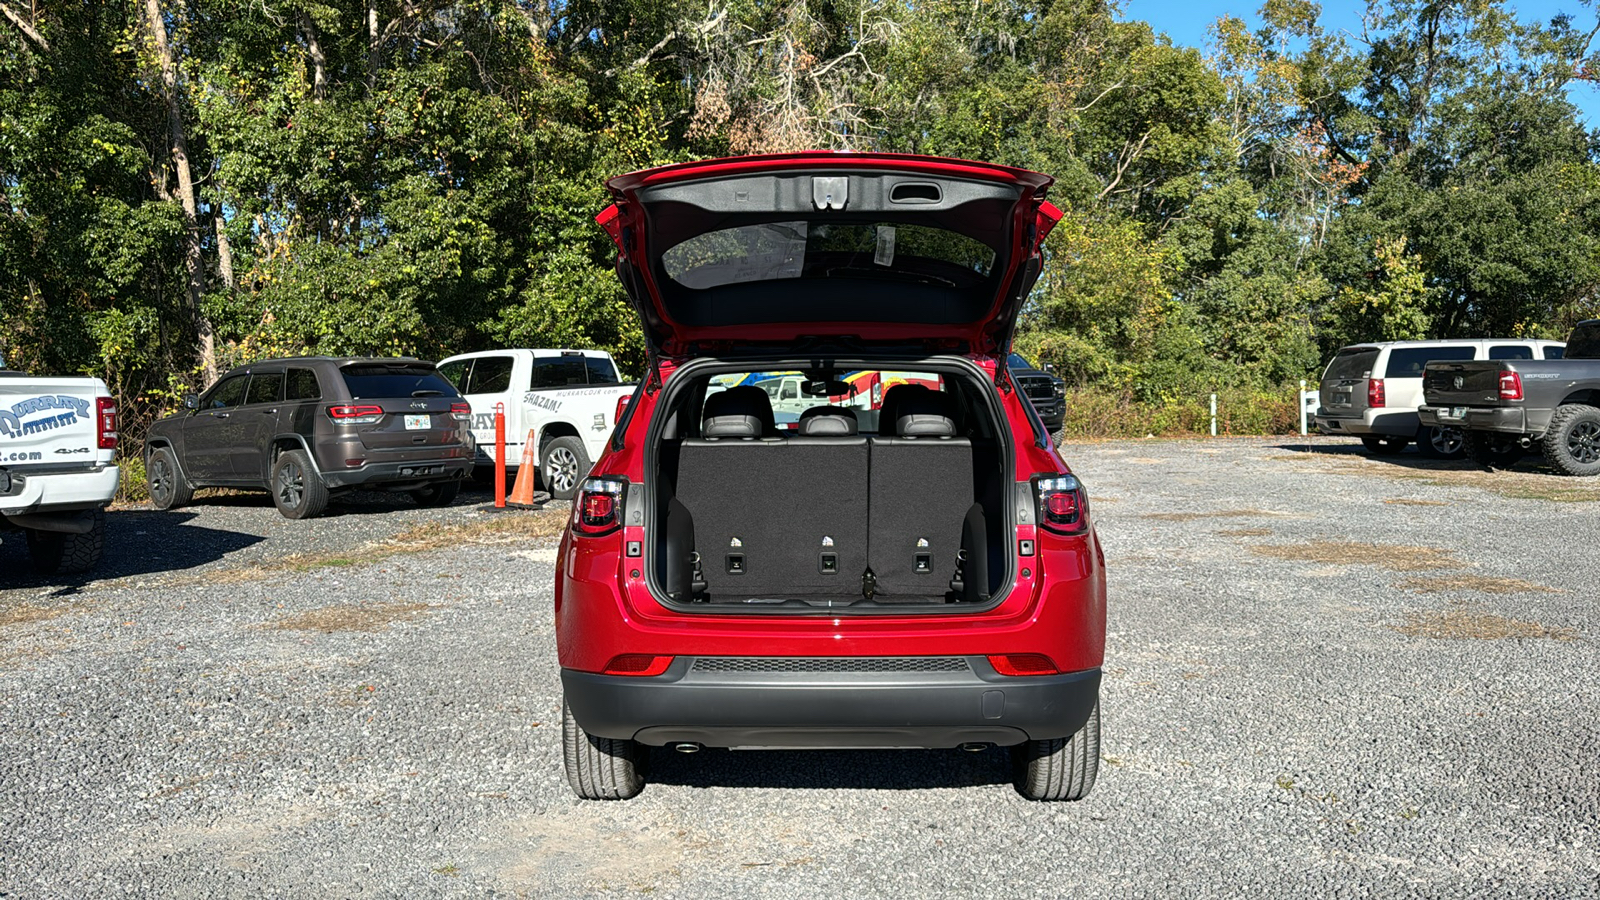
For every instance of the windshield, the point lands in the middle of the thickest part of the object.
(1018, 361)
(775, 251)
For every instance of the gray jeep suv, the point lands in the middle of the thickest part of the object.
(304, 427)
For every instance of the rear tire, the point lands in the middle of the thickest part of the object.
(57, 553)
(600, 768)
(1062, 768)
(1440, 441)
(440, 493)
(1490, 449)
(168, 488)
(1572, 442)
(297, 489)
(1385, 445)
(563, 464)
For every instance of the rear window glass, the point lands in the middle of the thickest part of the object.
(558, 372)
(302, 385)
(1585, 341)
(1408, 362)
(774, 251)
(1352, 363)
(266, 387)
(371, 381)
(1510, 351)
(1553, 352)
(601, 370)
(490, 375)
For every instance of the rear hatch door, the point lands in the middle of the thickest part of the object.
(829, 248)
(1343, 391)
(417, 421)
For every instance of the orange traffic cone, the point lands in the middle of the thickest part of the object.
(522, 493)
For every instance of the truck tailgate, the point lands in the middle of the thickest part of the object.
(49, 422)
(1471, 383)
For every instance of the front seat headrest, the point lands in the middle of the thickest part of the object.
(738, 412)
(830, 421)
(921, 412)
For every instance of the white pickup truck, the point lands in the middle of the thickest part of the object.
(567, 399)
(58, 470)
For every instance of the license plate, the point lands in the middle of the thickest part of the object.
(417, 423)
(1341, 398)
(1458, 412)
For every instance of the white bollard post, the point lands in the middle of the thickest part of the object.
(1213, 415)
(1302, 407)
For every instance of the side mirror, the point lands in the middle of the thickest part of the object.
(191, 401)
(1047, 368)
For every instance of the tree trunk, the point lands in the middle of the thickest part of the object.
(193, 255)
(319, 60)
(224, 253)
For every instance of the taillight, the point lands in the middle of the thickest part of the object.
(1510, 386)
(639, 665)
(1020, 664)
(462, 411)
(355, 415)
(1375, 396)
(598, 509)
(105, 410)
(1063, 504)
(622, 406)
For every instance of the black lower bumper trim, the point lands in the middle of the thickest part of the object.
(421, 472)
(876, 710)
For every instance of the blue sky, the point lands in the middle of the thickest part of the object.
(1186, 21)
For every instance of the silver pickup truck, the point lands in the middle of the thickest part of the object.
(1507, 407)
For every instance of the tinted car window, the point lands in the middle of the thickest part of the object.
(229, 392)
(601, 370)
(1585, 341)
(302, 385)
(1553, 352)
(1510, 351)
(368, 381)
(490, 375)
(1408, 362)
(455, 373)
(558, 372)
(265, 387)
(1352, 362)
(1018, 361)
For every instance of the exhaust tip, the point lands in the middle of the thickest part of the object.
(687, 747)
(974, 747)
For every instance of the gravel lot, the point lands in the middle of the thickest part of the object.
(1327, 675)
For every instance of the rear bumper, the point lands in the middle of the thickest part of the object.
(27, 492)
(420, 471)
(878, 709)
(1372, 422)
(1510, 419)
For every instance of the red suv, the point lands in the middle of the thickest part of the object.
(910, 566)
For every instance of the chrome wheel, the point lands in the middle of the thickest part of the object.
(1583, 442)
(561, 469)
(291, 484)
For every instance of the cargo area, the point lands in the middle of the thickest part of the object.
(864, 490)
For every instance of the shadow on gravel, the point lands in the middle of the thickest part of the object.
(888, 770)
(138, 542)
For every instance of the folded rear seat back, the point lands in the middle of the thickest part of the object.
(773, 517)
(920, 490)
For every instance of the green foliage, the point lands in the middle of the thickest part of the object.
(426, 183)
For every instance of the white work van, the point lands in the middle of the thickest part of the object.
(58, 469)
(567, 399)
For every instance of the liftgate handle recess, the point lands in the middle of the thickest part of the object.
(500, 455)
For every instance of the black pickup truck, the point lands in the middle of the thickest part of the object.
(1509, 406)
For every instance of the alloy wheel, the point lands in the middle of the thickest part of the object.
(291, 484)
(1583, 442)
(1446, 440)
(561, 469)
(160, 479)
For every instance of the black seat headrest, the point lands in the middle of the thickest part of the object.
(738, 412)
(832, 421)
(913, 410)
